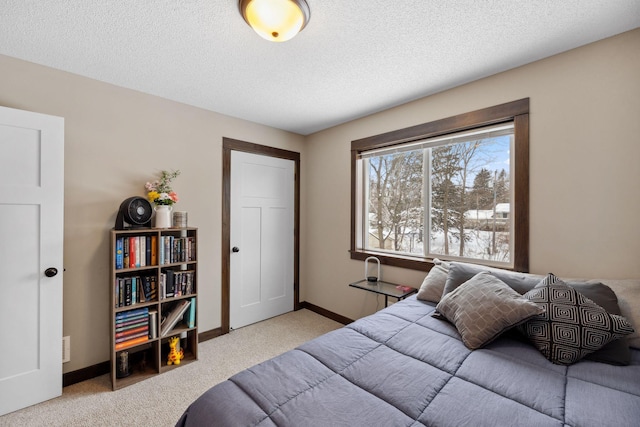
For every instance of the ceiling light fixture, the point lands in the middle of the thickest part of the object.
(275, 20)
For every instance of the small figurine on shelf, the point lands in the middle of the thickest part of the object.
(175, 356)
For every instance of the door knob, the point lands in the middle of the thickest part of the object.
(50, 272)
(235, 249)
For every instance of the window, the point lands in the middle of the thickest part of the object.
(452, 189)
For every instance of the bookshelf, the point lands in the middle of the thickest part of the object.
(153, 298)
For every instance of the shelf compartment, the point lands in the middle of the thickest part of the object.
(142, 364)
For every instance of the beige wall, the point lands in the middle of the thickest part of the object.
(585, 106)
(115, 140)
(585, 149)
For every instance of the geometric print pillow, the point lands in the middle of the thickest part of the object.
(571, 326)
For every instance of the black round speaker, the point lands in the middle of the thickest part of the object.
(134, 212)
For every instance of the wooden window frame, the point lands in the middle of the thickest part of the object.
(516, 111)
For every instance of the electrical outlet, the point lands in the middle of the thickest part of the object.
(66, 349)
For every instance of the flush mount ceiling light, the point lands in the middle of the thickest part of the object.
(275, 20)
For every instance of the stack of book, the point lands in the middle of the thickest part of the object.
(132, 327)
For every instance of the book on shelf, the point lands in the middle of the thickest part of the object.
(131, 313)
(133, 337)
(142, 296)
(132, 252)
(173, 317)
(127, 291)
(134, 290)
(131, 342)
(166, 243)
(169, 284)
(133, 333)
(136, 322)
(143, 251)
(154, 250)
(145, 291)
(122, 321)
(191, 318)
(116, 288)
(153, 324)
(147, 253)
(125, 252)
(154, 287)
(136, 241)
(119, 253)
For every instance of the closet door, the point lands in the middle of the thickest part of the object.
(262, 237)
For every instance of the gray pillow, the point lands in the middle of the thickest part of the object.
(433, 285)
(628, 293)
(572, 326)
(484, 307)
(617, 351)
(460, 272)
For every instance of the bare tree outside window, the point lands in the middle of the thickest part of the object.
(395, 200)
(467, 181)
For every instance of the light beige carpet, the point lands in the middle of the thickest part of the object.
(160, 401)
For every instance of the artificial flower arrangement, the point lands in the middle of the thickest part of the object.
(160, 192)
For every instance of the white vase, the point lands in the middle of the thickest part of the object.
(163, 216)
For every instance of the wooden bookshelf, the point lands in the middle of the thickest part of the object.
(161, 277)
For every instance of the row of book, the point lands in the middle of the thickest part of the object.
(176, 249)
(175, 283)
(131, 290)
(135, 289)
(136, 251)
(132, 327)
(142, 251)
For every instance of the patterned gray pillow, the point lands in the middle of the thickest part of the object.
(483, 307)
(572, 326)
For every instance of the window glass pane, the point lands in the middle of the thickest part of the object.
(395, 202)
(463, 183)
(471, 200)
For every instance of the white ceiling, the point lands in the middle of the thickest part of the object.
(354, 58)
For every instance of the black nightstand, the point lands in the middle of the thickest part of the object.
(387, 289)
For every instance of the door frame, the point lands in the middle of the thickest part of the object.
(229, 145)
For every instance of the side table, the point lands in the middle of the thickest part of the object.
(387, 289)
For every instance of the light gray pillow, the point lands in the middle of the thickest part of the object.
(484, 307)
(460, 272)
(433, 285)
(628, 293)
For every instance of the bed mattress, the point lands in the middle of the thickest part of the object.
(403, 367)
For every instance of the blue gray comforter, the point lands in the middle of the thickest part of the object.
(402, 367)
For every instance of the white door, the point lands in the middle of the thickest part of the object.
(31, 228)
(262, 238)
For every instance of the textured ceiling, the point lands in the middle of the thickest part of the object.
(354, 58)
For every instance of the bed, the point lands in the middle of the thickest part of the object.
(407, 365)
